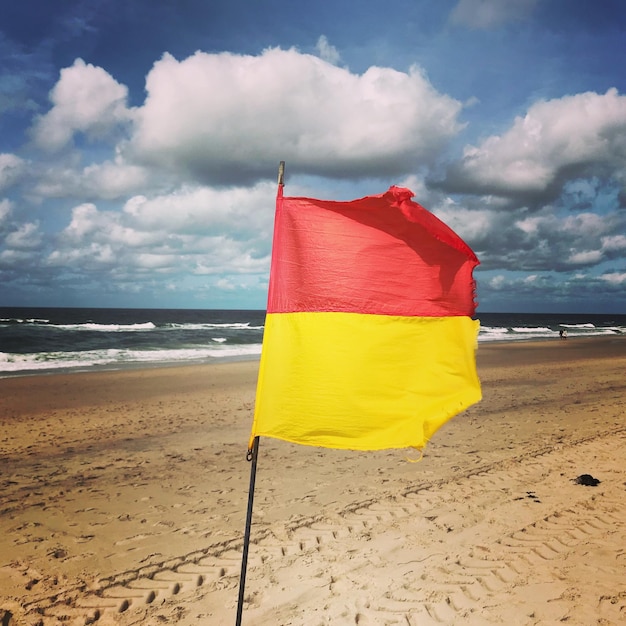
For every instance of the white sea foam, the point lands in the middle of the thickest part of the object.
(496, 330)
(530, 329)
(517, 333)
(209, 326)
(12, 363)
(19, 320)
(150, 326)
(578, 325)
(107, 328)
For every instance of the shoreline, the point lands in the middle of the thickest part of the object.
(127, 367)
(124, 495)
(483, 346)
(599, 346)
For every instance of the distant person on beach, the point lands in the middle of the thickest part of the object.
(563, 334)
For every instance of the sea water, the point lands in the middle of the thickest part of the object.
(44, 340)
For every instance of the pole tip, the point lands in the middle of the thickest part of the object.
(281, 173)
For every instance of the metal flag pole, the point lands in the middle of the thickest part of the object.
(281, 173)
(252, 456)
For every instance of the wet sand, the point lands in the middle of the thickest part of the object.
(123, 500)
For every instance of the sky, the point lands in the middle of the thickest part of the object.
(140, 141)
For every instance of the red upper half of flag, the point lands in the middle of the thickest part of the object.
(381, 255)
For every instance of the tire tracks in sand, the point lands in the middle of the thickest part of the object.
(509, 542)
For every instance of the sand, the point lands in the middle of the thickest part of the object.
(123, 501)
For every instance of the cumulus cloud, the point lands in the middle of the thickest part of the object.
(20, 245)
(470, 224)
(115, 178)
(486, 14)
(5, 210)
(174, 199)
(26, 237)
(509, 236)
(11, 169)
(514, 292)
(614, 278)
(238, 211)
(226, 117)
(518, 241)
(585, 257)
(86, 99)
(110, 179)
(143, 205)
(196, 230)
(614, 242)
(497, 282)
(555, 142)
(326, 51)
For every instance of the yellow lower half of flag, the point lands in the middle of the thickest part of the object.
(363, 382)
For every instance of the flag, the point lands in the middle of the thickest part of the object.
(369, 340)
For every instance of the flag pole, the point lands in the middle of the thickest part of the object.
(281, 173)
(252, 456)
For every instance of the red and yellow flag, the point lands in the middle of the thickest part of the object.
(369, 339)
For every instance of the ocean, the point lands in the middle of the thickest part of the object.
(46, 340)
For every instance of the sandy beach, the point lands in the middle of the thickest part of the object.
(123, 501)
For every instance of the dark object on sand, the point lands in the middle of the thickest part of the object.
(587, 480)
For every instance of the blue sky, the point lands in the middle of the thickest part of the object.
(140, 141)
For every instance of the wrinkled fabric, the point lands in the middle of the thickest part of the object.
(369, 342)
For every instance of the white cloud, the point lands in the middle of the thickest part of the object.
(26, 237)
(5, 209)
(224, 117)
(197, 230)
(498, 282)
(468, 224)
(585, 257)
(614, 242)
(485, 14)
(326, 51)
(585, 132)
(85, 220)
(615, 278)
(150, 261)
(114, 179)
(530, 225)
(195, 209)
(584, 224)
(514, 240)
(109, 179)
(92, 256)
(85, 99)
(226, 284)
(17, 258)
(11, 168)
